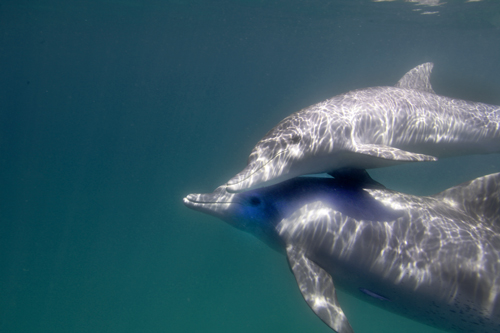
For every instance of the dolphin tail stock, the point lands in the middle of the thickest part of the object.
(317, 288)
(479, 197)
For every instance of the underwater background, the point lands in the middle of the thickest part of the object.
(112, 111)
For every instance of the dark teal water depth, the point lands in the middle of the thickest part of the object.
(112, 111)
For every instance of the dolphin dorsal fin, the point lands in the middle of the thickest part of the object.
(418, 78)
(479, 198)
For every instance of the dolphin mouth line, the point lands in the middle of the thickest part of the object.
(255, 171)
(209, 202)
(194, 201)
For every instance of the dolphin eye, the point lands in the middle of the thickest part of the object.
(254, 201)
(295, 139)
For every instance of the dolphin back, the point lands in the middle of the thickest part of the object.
(479, 198)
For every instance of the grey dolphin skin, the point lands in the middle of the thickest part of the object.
(434, 259)
(372, 128)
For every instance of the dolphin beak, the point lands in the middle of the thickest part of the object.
(215, 203)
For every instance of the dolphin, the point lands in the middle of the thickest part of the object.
(434, 259)
(371, 128)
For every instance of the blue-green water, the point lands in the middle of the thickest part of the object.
(112, 111)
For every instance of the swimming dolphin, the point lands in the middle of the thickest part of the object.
(372, 128)
(434, 259)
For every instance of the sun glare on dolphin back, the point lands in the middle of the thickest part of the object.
(372, 128)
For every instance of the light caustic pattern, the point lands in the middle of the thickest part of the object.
(436, 259)
(445, 249)
(371, 128)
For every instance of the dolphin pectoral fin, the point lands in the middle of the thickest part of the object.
(391, 153)
(355, 178)
(317, 288)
